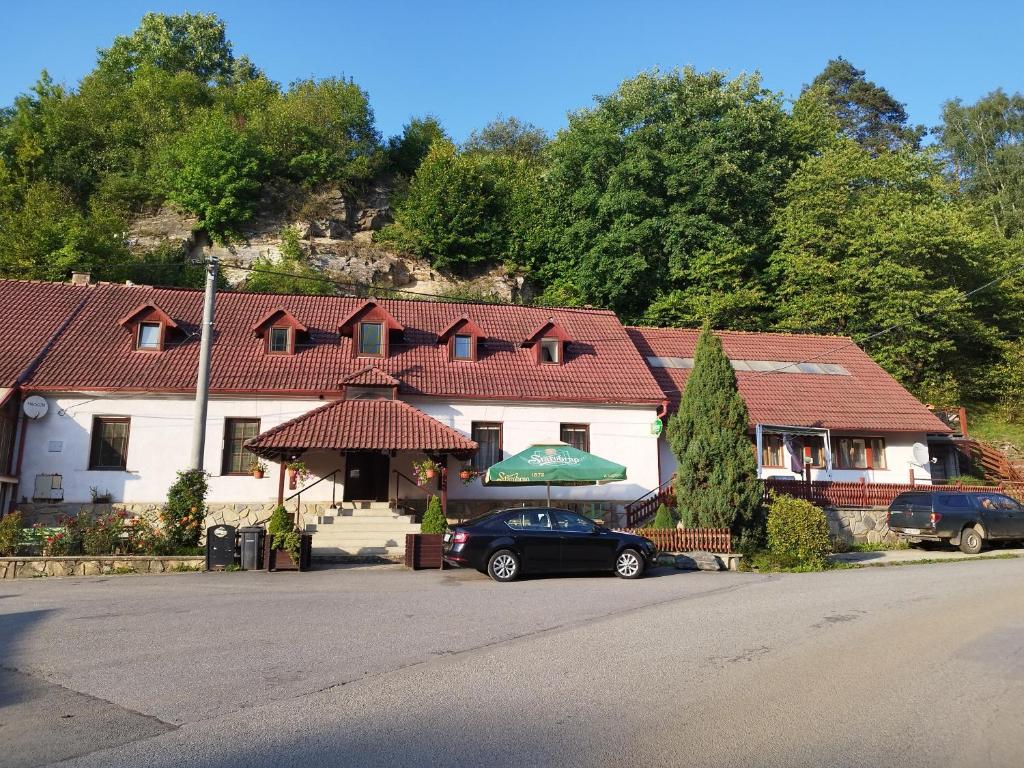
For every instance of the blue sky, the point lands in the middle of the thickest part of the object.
(466, 62)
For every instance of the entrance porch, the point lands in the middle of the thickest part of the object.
(359, 498)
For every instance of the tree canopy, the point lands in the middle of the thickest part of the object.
(681, 197)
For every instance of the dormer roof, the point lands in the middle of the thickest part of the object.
(278, 316)
(371, 311)
(146, 312)
(550, 329)
(461, 324)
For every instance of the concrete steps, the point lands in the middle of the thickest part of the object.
(363, 529)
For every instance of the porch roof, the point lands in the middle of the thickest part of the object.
(353, 425)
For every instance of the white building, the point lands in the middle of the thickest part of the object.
(357, 390)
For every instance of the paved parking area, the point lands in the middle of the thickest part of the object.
(382, 666)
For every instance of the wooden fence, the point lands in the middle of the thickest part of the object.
(687, 539)
(864, 494)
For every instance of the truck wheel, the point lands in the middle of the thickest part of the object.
(970, 541)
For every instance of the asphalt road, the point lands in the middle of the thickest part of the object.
(910, 666)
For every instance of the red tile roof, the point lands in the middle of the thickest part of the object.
(601, 364)
(868, 399)
(363, 425)
(30, 314)
(371, 376)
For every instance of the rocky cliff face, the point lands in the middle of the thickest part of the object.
(337, 236)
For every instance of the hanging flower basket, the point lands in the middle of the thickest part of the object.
(297, 473)
(425, 470)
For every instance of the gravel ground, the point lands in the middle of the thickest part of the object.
(920, 665)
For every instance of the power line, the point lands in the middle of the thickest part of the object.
(894, 326)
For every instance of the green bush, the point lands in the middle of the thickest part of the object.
(102, 535)
(185, 511)
(282, 533)
(433, 519)
(10, 534)
(663, 519)
(797, 532)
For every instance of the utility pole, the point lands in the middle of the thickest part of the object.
(203, 373)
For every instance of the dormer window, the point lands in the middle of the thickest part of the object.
(371, 329)
(371, 339)
(551, 351)
(279, 340)
(150, 337)
(149, 326)
(462, 346)
(463, 338)
(548, 342)
(279, 330)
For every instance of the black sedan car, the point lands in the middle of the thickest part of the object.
(505, 543)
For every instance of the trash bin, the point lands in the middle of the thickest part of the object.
(252, 547)
(220, 547)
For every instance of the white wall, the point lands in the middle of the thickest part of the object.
(161, 433)
(899, 457)
(618, 433)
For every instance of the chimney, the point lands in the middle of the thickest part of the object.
(81, 278)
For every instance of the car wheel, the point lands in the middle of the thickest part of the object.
(629, 564)
(970, 541)
(503, 565)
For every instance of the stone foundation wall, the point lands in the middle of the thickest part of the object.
(236, 514)
(94, 565)
(859, 524)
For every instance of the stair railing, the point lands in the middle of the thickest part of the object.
(299, 519)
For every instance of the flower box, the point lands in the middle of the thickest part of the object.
(281, 559)
(424, 550)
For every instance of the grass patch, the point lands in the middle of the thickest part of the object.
(765, 562)
(986, 423)
(123, 570)
(879, 546)
(936, 560)
(183, 568)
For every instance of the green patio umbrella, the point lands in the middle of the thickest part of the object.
(555, 463)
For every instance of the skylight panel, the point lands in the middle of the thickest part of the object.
(670, 362)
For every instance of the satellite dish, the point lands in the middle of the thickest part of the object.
(35, 407)
(921, 456)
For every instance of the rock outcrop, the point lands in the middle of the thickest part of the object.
(337, 237)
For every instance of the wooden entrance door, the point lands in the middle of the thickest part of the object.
(366, 476)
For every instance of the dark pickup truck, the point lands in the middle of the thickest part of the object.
(962, 518)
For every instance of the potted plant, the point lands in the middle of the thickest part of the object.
(424, 549)
(286, 549)
(425, 470)
(297, 473)
(257, 468)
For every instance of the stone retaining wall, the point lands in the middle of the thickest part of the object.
(853, 524)
(237, 514)
(94, 565)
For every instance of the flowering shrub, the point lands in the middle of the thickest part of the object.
(183, 515)
(10, 533)
(102, 535)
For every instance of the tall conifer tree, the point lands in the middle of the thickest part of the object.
(716, 485)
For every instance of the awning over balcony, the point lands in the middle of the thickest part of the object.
(357, 425)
